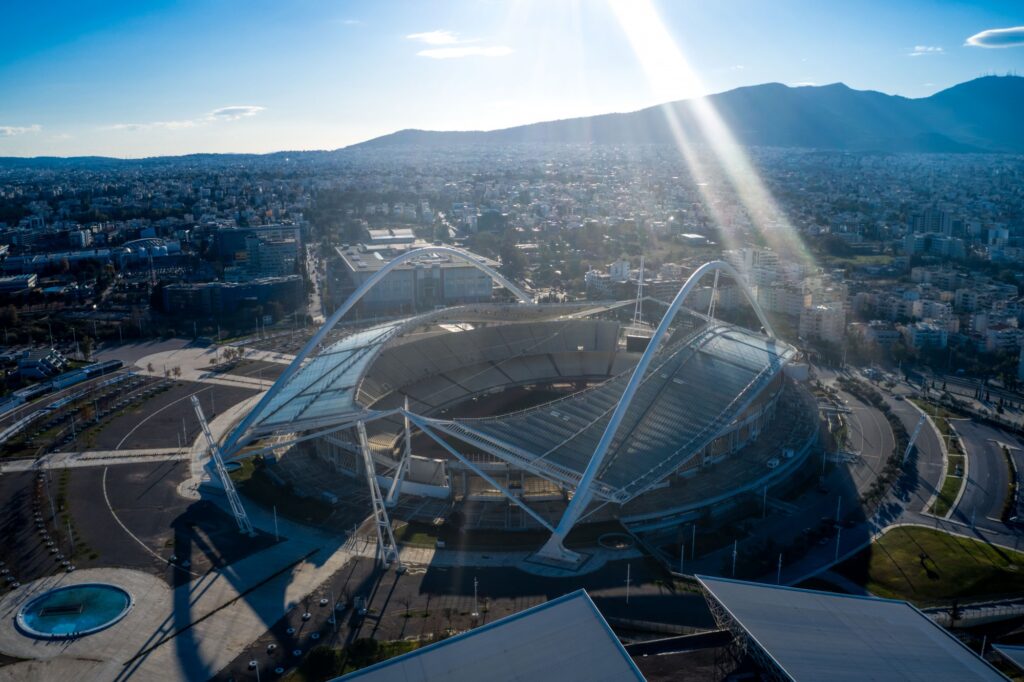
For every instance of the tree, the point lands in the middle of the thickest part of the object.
(322, 663)
(87, 346)
(513, 263)
(9, 316)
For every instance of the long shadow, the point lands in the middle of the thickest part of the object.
(167, 470)
(205, 535)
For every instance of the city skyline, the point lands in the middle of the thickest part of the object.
(175, 79)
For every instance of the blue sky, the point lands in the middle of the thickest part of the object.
(139, 79)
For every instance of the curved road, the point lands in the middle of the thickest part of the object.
(930, 467)
(988, 473)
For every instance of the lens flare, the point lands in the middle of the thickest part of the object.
(672, 78)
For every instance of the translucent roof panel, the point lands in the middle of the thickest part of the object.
(692, 391)
(323, 390)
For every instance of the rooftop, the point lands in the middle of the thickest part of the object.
(810, 635)
(565, 638)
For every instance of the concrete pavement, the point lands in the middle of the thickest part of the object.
(92, 458)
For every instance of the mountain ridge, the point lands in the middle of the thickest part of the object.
(973, 116)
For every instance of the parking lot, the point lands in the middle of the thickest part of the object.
(166, 419)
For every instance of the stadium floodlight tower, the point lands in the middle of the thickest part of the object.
(554, 549)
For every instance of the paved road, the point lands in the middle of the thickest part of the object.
(929, 454)
(871, 436)
(988, 474)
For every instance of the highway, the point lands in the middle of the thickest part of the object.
(929, 459)
(988, 473)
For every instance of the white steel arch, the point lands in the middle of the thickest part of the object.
(358, 294)
(554, 547)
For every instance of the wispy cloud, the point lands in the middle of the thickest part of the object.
(235, 112)
(352, 22)
(456, 47)
(923, 50)
(467, 51)
(232, 113)
(439, 37)
(802, 84)
(998, 37)
(12, 131)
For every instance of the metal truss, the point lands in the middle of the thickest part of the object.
(349, 303)
(237, 509)
(482, 474)
(403, 463)
(554, 548)
(365, 417)
(387, 548)
(742, 643)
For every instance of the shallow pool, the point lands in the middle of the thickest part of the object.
(74, 611)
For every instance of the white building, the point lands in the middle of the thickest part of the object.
(920, 335)
(825, 322)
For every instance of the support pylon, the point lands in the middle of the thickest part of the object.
(237, 509)
(386, 546)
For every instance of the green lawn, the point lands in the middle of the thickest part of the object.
(947, 494)
(926, 566)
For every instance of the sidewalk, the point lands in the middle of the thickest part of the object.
(91, 458)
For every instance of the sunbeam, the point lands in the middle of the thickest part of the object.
(672, 78)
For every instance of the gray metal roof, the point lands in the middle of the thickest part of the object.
(695, 389)
(1014, 653)
(565, 638)
(812, 635)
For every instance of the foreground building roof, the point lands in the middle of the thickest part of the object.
(809, 635)
(565, 638)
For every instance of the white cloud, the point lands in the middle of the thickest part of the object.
(11, 131)
(802, 84)
(467, 51)
(439, 37)
(235, 112)
(232, 113)
(455, 46)
(352, 22)
(998, 37)
(922, 50)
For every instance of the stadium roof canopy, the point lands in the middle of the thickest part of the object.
(565, 638)
(696, 387)
(810, 635)
(322, 393)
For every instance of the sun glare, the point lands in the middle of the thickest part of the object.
(671, 78)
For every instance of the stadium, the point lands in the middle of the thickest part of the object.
(527, 416)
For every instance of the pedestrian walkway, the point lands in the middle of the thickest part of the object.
(91, 458)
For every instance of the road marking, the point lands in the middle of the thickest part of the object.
(156, 412)
(131, 534)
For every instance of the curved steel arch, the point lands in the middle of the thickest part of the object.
(553, 548)
(358, 294)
